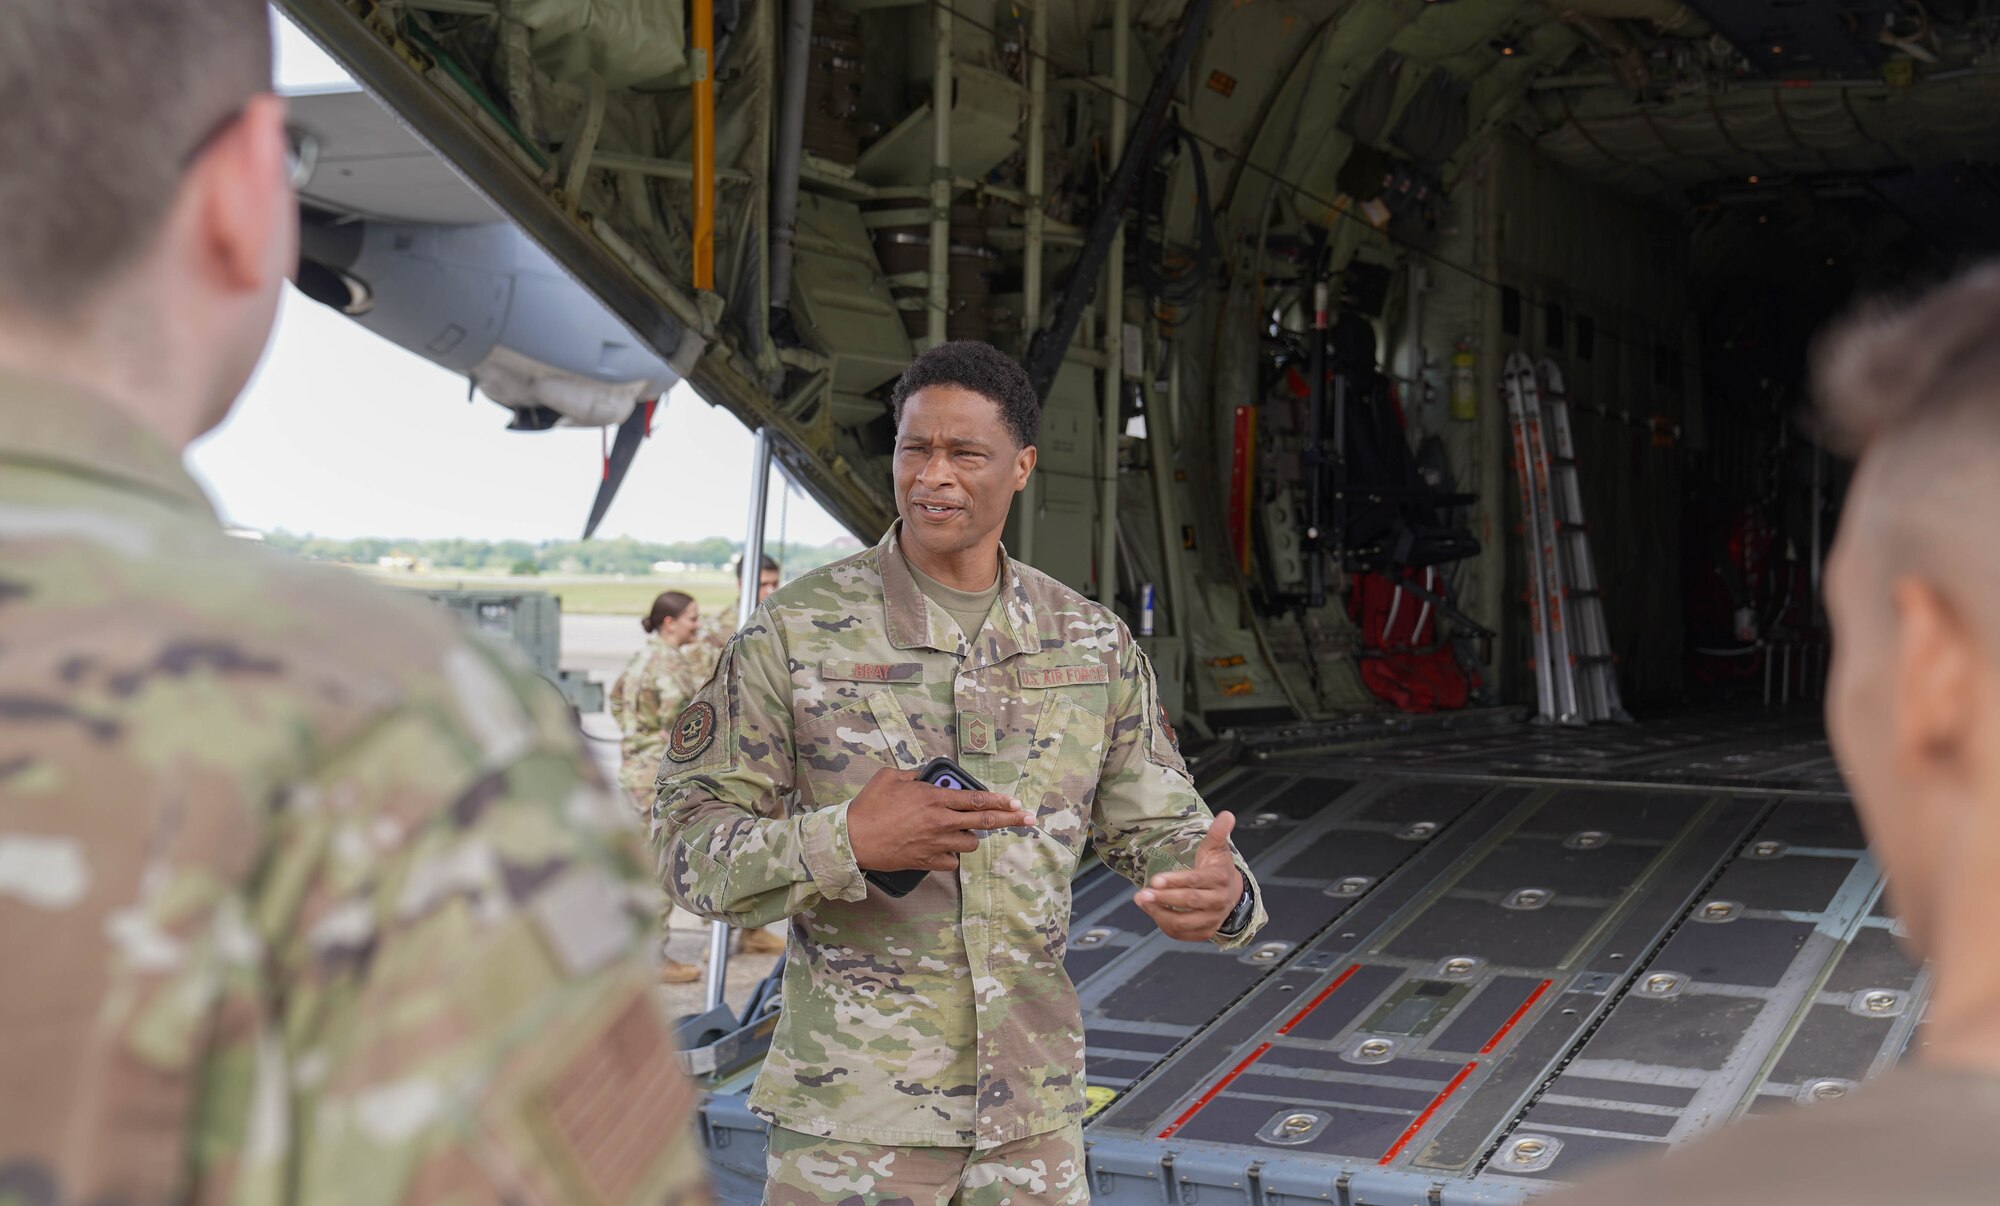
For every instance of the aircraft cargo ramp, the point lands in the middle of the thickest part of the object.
(1492, 959)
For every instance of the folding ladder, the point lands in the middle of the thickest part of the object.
(1555, 687)
(1590, 667)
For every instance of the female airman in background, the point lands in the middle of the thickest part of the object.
(651, 691)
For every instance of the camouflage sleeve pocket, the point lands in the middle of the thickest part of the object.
(1064, 768)
(1162, 744)
(701, 738)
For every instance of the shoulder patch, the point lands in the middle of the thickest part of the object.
(617, 1107)
(694, 729)
(1064, 676)
(1173, 738)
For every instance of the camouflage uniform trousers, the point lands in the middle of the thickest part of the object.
(1041, 1170)
(642, 800)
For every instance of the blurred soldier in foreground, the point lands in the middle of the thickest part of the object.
(931, 1045)
(1913, 709)
(304, 897)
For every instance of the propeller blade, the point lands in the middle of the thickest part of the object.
(623, 449)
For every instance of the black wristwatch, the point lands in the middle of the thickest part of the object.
(1239, 916)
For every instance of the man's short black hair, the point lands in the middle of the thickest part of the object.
(983, 369)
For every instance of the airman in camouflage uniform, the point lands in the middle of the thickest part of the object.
(303, 896)
(719, 625)
(322, 900)
(646, 697)
(942, 1019)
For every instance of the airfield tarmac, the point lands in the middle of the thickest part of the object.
(600, 646)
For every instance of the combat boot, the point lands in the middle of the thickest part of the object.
(673, 971)
(760, 942)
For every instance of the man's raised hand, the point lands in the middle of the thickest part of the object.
(900, 823)
(1191, 905)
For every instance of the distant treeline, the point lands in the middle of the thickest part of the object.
(618, 555)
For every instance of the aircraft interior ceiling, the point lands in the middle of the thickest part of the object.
(1664, 201)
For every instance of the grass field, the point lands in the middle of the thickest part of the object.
(714, 590)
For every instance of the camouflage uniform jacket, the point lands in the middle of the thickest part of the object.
(716, 627)
(945, 1017)
(651, 691)
(304, 897)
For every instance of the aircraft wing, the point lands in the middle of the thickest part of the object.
(372, 166)
(540, 191)
(402, 244)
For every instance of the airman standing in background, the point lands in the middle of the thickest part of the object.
(304, 897)
(716, 629)
(648, 694)
(719, 627)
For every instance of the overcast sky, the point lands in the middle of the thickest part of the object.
(344, 434)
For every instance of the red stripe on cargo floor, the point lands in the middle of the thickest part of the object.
(1429, 1110)
(1317, 1001)
(1518, 1015)
(1216, 1089)
(1214, 1092)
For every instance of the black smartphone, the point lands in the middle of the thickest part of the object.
(943, 772)
(940, 772)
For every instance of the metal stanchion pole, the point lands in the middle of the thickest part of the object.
(750, 573)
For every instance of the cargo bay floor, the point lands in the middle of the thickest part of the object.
(1494, 957)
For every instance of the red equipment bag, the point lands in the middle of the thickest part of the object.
(1401, 660)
